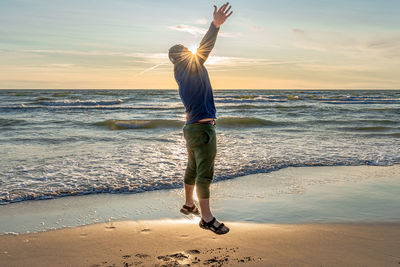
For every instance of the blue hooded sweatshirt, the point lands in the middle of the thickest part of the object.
(194, 84)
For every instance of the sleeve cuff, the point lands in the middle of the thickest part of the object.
(212, 26)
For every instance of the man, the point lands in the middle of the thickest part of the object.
(196, 93)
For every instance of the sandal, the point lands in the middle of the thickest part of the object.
(210, 226)
(190, 210)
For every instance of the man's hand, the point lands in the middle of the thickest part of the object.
(222, 14)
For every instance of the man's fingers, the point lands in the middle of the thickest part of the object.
(215, 9)
(229, 14)
(222, 8)
(226, 11)
(225, 6)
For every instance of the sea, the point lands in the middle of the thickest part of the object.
(56, 143)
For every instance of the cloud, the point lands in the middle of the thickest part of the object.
(189, 29)
(361, 45)
(299, 32)
(256, 28)
(197, 31)
(202, 21)
(61, 65)
(250, 62)
(72, 52)
(146, 57)
(390, 47)
(250, 24)
(330, 67)
(152, 56)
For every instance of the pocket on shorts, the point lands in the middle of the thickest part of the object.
(206, 137)
(209, 135)
(203, 138)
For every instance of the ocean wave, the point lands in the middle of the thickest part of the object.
(293, 97)
(248, 99)
(224, 122)
(123, 187)
(253, 98)
(369, 128)
(11, 122)
(263, 106)
(21, 93)
(356, 121)
(107, 93)
(390, 109)
(292, 107)
(246, 96)
(55, 140)
(100, 106)
(62, 94)
(361, 102)
(396, 135)
(79, 102)
(241, 106)
(140, 124)
(246, 122)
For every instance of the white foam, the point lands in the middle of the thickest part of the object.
(78, 102)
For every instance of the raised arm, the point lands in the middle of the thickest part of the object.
(208, 41)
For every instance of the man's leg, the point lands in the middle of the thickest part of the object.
(206, 213)
(189, 195)
(190, 174)
(190, 178)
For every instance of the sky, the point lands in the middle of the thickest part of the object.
(123, 44)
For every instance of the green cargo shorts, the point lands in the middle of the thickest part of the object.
(201, 144)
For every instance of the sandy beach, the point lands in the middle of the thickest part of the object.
(183, 243)
(318, 216)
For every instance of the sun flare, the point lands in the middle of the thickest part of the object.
(193, 49)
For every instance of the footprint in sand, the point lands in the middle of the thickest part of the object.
(142, 255)
(173, 259)
(179, 256)
(193, 251)
(176, 256)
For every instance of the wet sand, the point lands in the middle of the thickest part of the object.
(339, 194)
(183, 243)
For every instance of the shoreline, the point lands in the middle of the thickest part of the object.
(53, 196)
(292, 195)
(183, 243)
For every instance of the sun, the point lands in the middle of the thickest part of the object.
(193, 49)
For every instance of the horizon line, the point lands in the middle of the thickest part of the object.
(214, 89)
